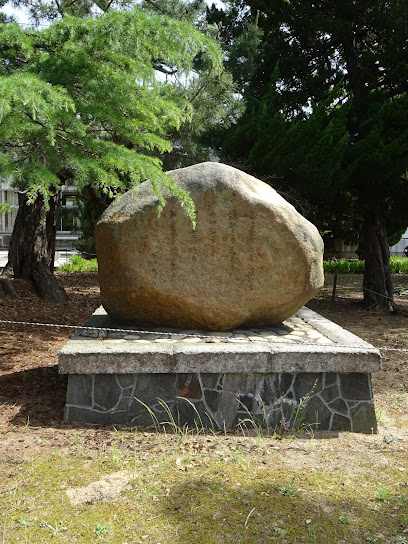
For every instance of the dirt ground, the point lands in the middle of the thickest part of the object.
(32, 393)
(384, 330)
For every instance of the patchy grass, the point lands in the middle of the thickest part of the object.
(208, 489)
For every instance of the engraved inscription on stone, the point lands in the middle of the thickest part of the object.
(252, 260)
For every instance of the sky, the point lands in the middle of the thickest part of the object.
(22, 17)
(19, 14)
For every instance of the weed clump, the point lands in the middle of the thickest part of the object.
(79, 264)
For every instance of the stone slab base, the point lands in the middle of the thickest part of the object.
(325, 401)
(306, 371)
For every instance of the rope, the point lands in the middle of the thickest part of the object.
(368, 290)
(378, 294)
(184, 335)
(107, 329)
(404, 291)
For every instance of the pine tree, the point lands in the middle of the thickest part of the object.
(81, 104)
(327, 113)
(213, 96)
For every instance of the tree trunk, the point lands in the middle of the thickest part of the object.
(377, 284)
(32, 246)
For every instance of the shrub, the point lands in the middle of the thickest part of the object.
(79, 264)
(344, 266)
(398, 265)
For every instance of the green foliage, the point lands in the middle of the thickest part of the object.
(398, 265)
(344, 266)
(211, 93)
(100, 530)
(287, 490)
(4, 207)
(80, 101)
(382, 494)
(85, 245)
(3, 16)
(24, 522)
(241, 37)
(213, 96)
(79, 264)
(55, 529)
(395, 234)
(182, 10)
(89, 209)
(327, 114)
(243, 54)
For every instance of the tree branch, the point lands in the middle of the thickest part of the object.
(90, 194)
(156, 7)
(28, 114)
(14, 144)
(160, 68)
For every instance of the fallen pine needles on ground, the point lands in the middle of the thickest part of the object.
(69, 483)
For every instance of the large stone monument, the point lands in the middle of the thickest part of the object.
(252, 260)
(174, 297)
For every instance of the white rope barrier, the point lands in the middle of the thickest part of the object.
(164, 333)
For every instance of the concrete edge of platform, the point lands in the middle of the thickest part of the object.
(347, 353)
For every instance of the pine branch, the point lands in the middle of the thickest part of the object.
(14, 144)
(160, 68)
(156, 7)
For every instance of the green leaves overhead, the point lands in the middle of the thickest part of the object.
(327, 101)
(82, 101)
(327, 117)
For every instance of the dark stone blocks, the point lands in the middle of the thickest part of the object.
(189, 386)
(332, 401)
(80, 389)
(107, 392)
(356, 385)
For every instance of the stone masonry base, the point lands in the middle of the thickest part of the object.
(325, 401)
(306, 371)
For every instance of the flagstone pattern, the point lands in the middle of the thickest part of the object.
(305, 373)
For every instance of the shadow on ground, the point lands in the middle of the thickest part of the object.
(35, 396)
(210, 511)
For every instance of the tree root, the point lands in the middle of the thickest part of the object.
(47, 285)
(6, 283)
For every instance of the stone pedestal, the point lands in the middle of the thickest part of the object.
(307, 371)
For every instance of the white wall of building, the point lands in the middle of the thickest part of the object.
(397, 250)
(67, 233)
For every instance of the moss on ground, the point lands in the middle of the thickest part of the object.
(211, 489)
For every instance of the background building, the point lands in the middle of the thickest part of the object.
(68, 228)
